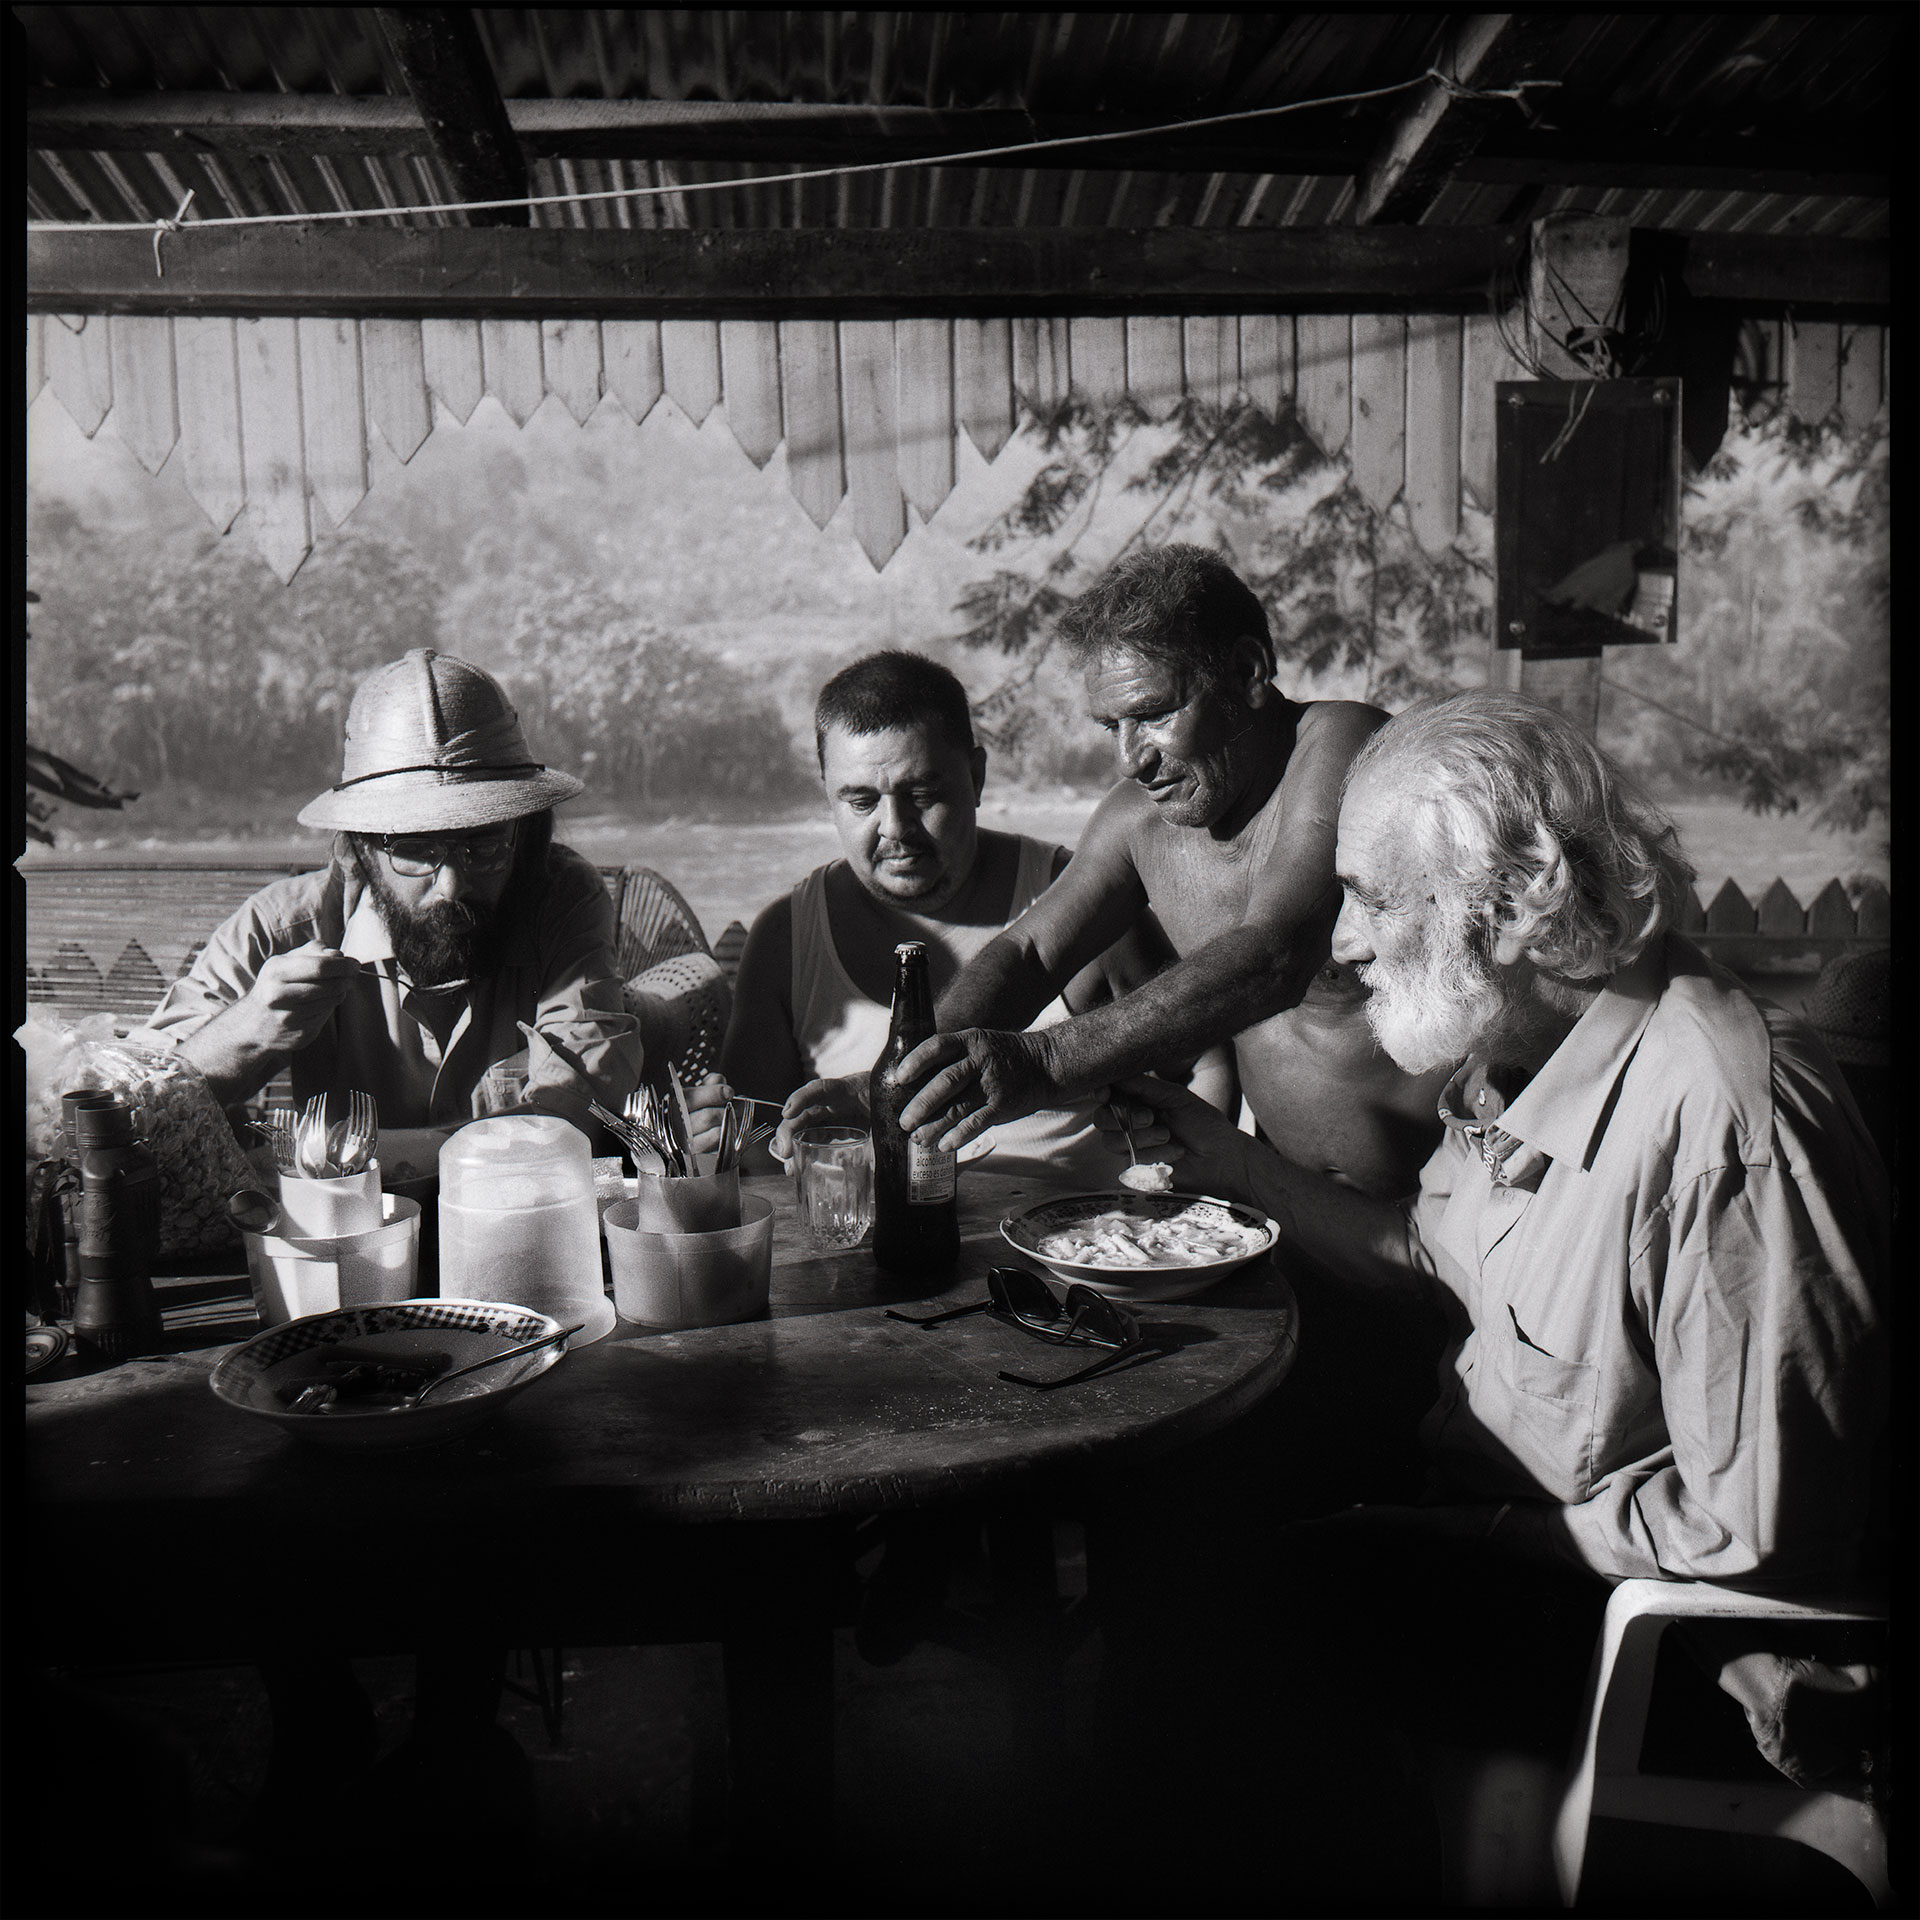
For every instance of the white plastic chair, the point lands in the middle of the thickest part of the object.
(1607, 1781)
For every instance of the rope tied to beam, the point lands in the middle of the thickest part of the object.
(162, 227)
(1459, 90)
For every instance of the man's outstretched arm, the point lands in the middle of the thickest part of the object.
(974, 1078)
(1093, 902)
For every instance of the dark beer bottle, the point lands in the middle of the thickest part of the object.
(916, 1220)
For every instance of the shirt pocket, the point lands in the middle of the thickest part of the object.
(1553, 1404)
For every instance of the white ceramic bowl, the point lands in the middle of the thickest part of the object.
(1024, 1232)
(259, 1377)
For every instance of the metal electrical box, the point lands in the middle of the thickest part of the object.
(1587, 516)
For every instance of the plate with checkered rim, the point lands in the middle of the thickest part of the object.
(476, 1328)
(400, 1316)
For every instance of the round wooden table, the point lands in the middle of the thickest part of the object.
(828, 1407)
(650, 1487)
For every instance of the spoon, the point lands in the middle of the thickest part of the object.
(493, 1360)
(253, 1210)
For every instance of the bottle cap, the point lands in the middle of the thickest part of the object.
(96, 1117)
(910, 950)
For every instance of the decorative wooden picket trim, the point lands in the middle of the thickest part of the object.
(729, 947)
(109, 939)
(105, 939)
(273, 417)
(1780, 936)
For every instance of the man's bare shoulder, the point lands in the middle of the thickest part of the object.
(1334, 726)
(1330, 733)
(1123, 814)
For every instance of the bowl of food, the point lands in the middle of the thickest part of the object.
(349, 1379)
(1140, 1246)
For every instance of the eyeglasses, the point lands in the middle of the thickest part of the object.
(1083, 1318)
(418, 854)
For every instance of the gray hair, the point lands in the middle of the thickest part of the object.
(1542, 834)
(1179, 603)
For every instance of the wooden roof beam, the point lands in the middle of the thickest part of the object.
(1439, 128)
(743, 130)
(870, 273)
(778, 132)
(463, 118)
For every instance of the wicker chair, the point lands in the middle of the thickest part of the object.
(652, 921)
(675, 987)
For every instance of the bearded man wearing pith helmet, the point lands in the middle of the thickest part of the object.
(446, 918)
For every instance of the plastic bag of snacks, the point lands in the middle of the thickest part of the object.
(182, 1124)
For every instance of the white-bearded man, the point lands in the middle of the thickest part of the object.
(1656, 1232)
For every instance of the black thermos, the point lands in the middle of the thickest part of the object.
(916, 1219)
(115, 1312)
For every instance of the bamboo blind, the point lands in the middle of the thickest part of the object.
(270, 419)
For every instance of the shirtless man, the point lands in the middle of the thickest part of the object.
(1225, 829)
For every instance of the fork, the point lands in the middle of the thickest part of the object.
(634, 1135)
(310, 1139)
(644, 1118)
(275, 1127)
(358, 1136)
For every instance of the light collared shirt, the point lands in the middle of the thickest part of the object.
(423, 1057)
(1667, 1252)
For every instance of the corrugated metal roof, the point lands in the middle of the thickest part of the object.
(1731, 83)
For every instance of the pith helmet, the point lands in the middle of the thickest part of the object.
(434, 746)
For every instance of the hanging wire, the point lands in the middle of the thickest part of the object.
(1517, 93)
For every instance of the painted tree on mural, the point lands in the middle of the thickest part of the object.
(1779, 687)
(203, 671)
(199, 666)
(1350, 593)
(1778, 690)
(643, 715)
(1806, 695)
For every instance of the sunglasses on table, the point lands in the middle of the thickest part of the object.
(1023, 1299)
(418, 854)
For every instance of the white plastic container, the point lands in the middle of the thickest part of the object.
(330, 1209)
(670, 1281)
(518, 1221)
(293, 1276)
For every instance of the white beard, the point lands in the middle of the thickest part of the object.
(1433, 1007)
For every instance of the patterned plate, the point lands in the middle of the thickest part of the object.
(45, 1345)
(1025, 1231)
(254, 1377)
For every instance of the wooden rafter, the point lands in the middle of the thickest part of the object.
(872, 274)
(781, 133)
(764, 131)
(463, 119)
(1440, 127)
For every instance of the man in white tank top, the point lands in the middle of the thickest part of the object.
(904, 776)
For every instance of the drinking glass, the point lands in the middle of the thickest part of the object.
(834, 1166)
(503, 1089)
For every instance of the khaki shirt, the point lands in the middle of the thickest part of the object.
(1666, 1258)
(557, 974)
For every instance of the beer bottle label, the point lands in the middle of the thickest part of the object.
(930, 1175)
